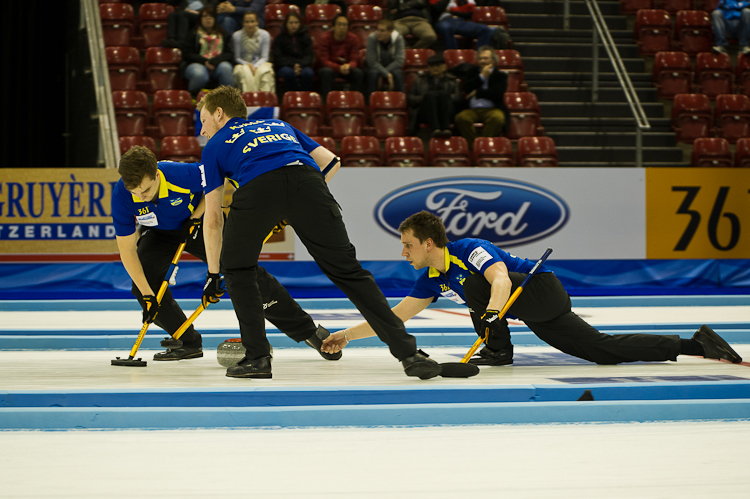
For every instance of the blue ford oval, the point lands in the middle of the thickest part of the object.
(505, 212)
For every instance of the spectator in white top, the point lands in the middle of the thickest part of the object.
(251, 47)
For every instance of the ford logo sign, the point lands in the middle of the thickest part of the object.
(505, 212)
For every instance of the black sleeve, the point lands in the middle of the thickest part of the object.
(496, 88)
(190, 52)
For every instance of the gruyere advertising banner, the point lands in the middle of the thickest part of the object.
(581, 213)
(698, 213)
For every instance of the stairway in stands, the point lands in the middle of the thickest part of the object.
(557, 66)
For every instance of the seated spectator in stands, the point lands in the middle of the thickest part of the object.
(731, 18)
(232, 13)
(413, 16)
(385, 58)
(453, 17)
(433, 99)
(207, 53)
(485, 86)
(181, 21)
(338, 52)
(293, 54)
(252, 45)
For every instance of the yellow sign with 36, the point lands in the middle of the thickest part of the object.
(697, 213)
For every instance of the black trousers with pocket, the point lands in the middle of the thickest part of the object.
(156, 248)
(544, 306)
(299, 195)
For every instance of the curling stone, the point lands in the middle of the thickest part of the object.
(231, 352)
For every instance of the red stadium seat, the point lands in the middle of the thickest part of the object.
(131, 112)
(363, 20)
(319, 18)
(139, 140)
(525, 116)
(360, 151)
(275, 15)
(693, 31)
(490, 16)
(326, 142)
(672, 74)
(691, 117)
(183, 148)
(162, 65)
(743, 74)
(260, 99)
(493, 151)
(173, 112)
(453, 151)
(415, 64)
(713, 73)
(711, 153)
(742, 154)
(633, 6)
(674, 6)
(118, 23)
(388, 111)
(732, 117)
(653, 31)
(404, 151)
(346, 113)
(303, 110)
(152, 22)
(454, 57)
(510, 62)
(124, 65)
(536, 151)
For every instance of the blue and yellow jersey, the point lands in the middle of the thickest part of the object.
(242, 150)
(180, 191)
(463, 258)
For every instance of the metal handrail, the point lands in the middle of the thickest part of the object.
(600, 28)
(108, 138)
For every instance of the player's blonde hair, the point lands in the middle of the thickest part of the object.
(226, 97)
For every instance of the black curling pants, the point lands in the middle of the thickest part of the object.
(544, 306)
(156, 248)
(299, 195)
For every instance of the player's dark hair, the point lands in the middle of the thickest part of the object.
(424, 225)
(226, 97)
(135, 165)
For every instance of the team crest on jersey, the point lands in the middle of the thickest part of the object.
(261, 129)
(175, 202)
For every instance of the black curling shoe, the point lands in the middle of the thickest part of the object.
(714, 346)
(180, 353)
(258, 368)
(421, 366)
(489, 357)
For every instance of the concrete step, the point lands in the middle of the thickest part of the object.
(611, 139)
(544, 22)
(567, 79)
(618, 154)
(556, 8)
(587, 124)
(566, 49)
(531, 35)
(579, 64)
(598, 110)
(583, 94)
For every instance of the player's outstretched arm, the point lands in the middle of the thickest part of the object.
(129, 256)
(213, 224)
(323, 157)
(404, 310)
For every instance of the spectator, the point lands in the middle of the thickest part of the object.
(181, 21)
(731, 18)
(485, 87)
(453, 17)
(207, 53)
(232, 13)
(413, 16)
(385, 58)
(293, 54)
(433, 98)
(339, 51)
(251, 47)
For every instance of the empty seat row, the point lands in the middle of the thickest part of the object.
(716, 153)
(692, 117)
(173, 113)
(654, 33)
(713, 74)
(183, 148)
(160, 69)
(671, 6)
(119, 23)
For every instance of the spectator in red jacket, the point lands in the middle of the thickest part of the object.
(338, 52)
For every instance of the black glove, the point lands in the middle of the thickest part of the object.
(189, 224)
(490, 323)
(150, 308)
(214, 289)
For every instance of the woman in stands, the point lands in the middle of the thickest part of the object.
(252, 46)
(293, 54)
(208, 53)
